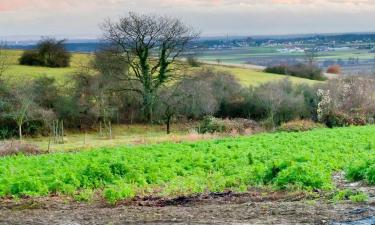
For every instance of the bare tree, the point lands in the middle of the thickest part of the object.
(149, 45)
(171, 99)
(311, 55)
(22, 110)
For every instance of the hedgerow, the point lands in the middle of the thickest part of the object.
(280, 160)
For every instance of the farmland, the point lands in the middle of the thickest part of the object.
(19, 72)
(292, 161)
(271, 56)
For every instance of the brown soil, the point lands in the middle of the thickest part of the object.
(254, 207)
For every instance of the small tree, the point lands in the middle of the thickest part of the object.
(149, 45)
(170, 99)
(22, 109)
(311, 55)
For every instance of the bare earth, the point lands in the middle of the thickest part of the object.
(253, 207)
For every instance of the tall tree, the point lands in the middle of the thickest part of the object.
(149, 45)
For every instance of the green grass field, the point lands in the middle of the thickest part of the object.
(290, 161)
(17, 72)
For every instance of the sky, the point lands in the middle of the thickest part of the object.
(81, 18)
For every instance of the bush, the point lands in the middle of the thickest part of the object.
(211, 124)
(334, 69)
(49, 53)
(345, 102)
(280, 69)
(192, 61)
(15, 148)
(299, 70)
(300, 125)
(215, 125)
(31, 58)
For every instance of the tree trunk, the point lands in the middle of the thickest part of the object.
(20, 131)
(168, 125)
(148, 105)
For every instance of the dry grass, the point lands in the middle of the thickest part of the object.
(17, 147)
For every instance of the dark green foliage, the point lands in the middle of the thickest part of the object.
(31, 58)
(299, 70)
(48, 53)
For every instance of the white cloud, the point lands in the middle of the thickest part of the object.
(211, 16)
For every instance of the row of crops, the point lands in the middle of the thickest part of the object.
(280, 160)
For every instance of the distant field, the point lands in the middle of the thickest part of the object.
(246, 76)
(244, 55)
(302, 161)
(249, 77)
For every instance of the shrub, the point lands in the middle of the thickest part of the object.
(211, 124)
(299, 125)
(49, 53)
(298, 70)
(334, 69)
(215, 125)
(280, 69)
(348, 101)
(192, 61)
(15, 148)
(31, 58)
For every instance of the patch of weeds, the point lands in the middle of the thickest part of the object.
(347, 194)
(85, 195)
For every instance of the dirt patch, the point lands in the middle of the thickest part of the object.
(254, 207)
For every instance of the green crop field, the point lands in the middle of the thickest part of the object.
(18, 72)
(303, 161)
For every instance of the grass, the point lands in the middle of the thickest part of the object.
(122, 135)
(249, 77)
(18, 72)
(281, 160)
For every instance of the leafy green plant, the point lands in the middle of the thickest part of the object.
(359, 198)
(279, 160)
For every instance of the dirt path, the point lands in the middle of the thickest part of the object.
(249, 208)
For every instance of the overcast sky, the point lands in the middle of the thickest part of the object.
(81, 18)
